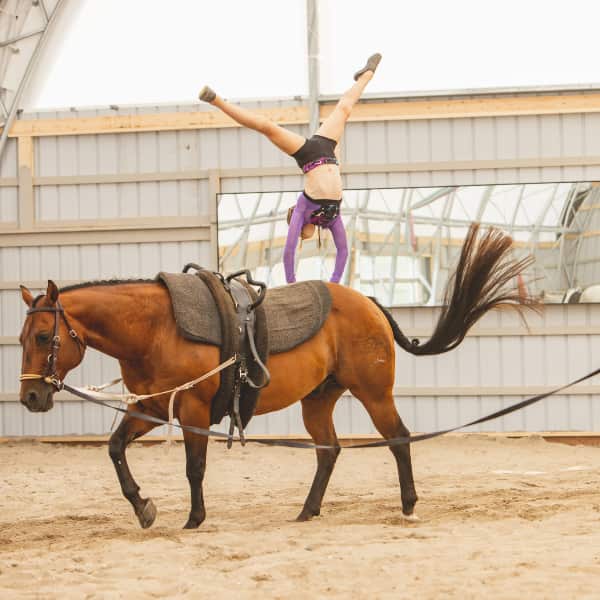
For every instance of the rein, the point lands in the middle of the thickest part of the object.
(398, 441)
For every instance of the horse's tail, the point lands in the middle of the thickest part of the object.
(478, 285)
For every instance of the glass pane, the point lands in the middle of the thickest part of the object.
(404, 242)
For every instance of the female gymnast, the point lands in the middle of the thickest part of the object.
(319, 204)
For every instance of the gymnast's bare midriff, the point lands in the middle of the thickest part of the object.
(324, 181)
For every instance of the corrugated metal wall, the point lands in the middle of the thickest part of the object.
(90, 179)
(8, 185)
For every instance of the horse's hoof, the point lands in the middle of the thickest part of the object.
(306, 515)
(411, 518)
(301, 518)
(193, 523)
(408, 506)
(147, 515)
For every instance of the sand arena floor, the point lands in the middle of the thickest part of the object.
(500, 518)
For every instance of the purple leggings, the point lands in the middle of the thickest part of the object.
(300, 217)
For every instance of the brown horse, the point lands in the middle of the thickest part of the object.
(354, 350)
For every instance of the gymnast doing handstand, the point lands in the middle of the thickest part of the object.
(319, 204)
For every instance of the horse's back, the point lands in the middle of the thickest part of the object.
(354, 343)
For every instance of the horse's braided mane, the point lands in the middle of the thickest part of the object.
(103, 282)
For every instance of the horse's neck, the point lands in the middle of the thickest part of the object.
(118, 320)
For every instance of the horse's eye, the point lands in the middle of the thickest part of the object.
(43, 338)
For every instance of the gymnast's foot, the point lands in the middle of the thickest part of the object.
(207, 94)
(371, 65)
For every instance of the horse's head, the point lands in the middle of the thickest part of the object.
(51, 348)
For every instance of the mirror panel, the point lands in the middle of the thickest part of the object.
(404, 242)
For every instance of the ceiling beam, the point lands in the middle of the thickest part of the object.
(401, 110)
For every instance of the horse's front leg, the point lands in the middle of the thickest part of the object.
(128, 430)
(197, 414)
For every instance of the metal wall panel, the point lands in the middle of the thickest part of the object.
(482, 363)
(9, 210)
(8, 160)
(8, 194)
(124, 200)
(93, 261)
(499, 138)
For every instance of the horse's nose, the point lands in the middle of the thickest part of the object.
(31, 399)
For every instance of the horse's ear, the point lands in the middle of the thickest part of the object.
(27, 296)
(52, 292)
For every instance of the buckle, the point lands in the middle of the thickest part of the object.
(55, 381)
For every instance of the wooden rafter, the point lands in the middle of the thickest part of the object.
(400, 110)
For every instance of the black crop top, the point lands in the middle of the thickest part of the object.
(315, 148)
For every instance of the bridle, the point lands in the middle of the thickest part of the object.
(50, 376)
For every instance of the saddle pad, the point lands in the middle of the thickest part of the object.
(194, 308)
(294, 313)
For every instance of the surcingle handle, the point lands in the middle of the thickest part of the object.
(261, 285)
(194, 266)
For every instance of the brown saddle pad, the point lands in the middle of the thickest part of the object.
(294, 312)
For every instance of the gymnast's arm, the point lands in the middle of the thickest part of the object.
(339, 239)
(294, 229)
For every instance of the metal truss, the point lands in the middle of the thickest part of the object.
(24, 28)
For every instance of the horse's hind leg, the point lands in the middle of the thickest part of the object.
(317, 412)
(128, 430)
(386, 419)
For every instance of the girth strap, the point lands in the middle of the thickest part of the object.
(244, 332)
(244, 306)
